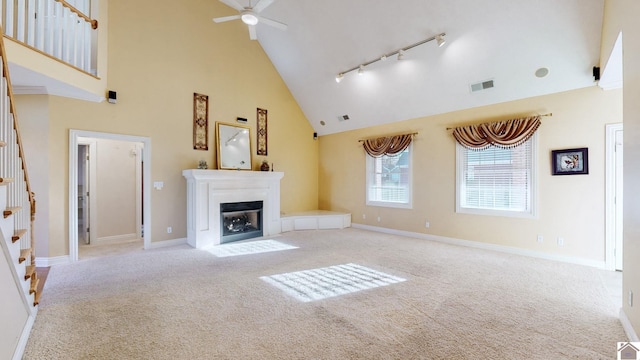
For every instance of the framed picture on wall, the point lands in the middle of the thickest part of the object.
(200, 122)
(570, 161)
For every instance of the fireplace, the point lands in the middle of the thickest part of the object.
(240, 221)
(208, 189)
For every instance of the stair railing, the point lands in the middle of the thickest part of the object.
(55, 28)
(13, 165)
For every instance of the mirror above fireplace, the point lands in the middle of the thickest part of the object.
(234, 146)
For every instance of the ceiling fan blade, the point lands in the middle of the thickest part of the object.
(271, 22)
(233, 3)
(252, 32)
(262, 4)
(226, 18)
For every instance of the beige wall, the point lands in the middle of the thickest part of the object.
(621, 15)
(33, 119)
(115, 189)
(156, 63)
(571, 207)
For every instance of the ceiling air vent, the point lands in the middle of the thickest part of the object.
(343, 117)
(484, 85)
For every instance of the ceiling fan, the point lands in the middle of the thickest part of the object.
(250, 16)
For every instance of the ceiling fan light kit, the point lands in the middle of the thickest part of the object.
(250, 16)
(400, 53)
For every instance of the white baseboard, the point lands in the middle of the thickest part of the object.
(24, 337)
(628, 328)
(51, 261)
(166, 243)
(116, 238)
(486, 246)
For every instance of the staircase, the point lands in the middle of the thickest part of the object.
(17, 267)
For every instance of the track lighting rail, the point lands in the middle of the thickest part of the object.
(400, 53)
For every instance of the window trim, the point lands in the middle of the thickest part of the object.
(533, 211)
(389, 204)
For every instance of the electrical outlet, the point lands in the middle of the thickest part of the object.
(378, 218)
(560, 241)
(426, 224)
(364, 216)
(169, 230)
(540, 238)
(630, 298)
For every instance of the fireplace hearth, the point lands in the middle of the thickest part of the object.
(240, 221)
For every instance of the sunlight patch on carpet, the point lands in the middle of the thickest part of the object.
(246, 248)
(317, 284)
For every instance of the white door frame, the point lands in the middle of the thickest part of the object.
(610, 192)
(74, 136)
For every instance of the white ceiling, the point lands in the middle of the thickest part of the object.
(502, 40)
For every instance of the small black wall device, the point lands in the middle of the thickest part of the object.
(112, 97)
(596, 73)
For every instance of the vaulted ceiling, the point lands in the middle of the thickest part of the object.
(505, 41)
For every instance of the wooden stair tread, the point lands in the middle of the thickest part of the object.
(31, 269)
(5, 181)
(18, 234)
(10, 211)
(24, 254)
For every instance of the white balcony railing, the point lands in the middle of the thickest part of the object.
(61, 29)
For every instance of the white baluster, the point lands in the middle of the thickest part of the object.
(31, 23)
(21, 24)
(40, 25)
(8, 18)
(49, 27)
(57, 30)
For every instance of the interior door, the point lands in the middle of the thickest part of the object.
(618, 198)
(83, 194)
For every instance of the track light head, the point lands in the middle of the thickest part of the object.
(440, 39)
(400, 54)
(339, 77)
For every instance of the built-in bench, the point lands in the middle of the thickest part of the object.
(315, 220)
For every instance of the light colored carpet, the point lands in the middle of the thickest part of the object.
(456, 303)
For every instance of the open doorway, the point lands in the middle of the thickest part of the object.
(109, 203)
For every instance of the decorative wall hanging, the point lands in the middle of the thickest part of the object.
(570, 161)
(200, 122)
(262, 132)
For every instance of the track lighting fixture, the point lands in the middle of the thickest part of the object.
(400, 53)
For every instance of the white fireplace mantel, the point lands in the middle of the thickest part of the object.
(207, 189)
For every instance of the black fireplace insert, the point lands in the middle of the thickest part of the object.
(240, 221)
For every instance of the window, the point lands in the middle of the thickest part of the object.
(497, 181)
(389, 180)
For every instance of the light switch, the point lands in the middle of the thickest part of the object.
(158, 185)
